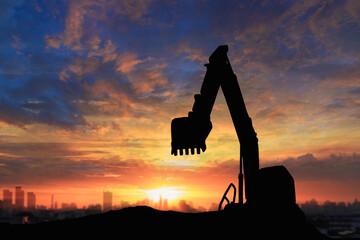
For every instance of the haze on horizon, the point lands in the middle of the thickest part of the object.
(88, 90)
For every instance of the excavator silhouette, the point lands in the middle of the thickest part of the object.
(272, 184)
(270, 211)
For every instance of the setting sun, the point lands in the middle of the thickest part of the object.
(169, 193)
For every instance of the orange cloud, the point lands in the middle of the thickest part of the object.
(126, 62)
(75, 34)
(84, 66)
(17, 44)
(146, 81)
(191, 53)
(108, 52)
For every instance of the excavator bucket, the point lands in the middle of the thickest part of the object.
(189, 133)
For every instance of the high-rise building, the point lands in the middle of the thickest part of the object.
(19, 197)
(31, 201)
(52, 201)
(107, 201)
(165, 207)
(7, 197)
(160, 202)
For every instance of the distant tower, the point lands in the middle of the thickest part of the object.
(107, 201)
(19, 197)
(7, 194)
(165, 207)
(31, 201)
(52, 201)
(160, 202)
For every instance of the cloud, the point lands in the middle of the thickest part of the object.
(22, 114)
(83, 17)
(126, 62)
(38, 163)
(117, 127)
(108, 52)
(296, 36)
(149, 79)
(88, 86)
(192, 53)
(336, 167)
(83, 66)
(136, 9)
(41, 99)
(52, 41)
(17, 44)
(43, 164)
(276, 50)
(74, 30)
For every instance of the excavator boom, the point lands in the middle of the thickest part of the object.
(191, 132)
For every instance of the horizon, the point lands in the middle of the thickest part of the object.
(151, 200)
(88, 90)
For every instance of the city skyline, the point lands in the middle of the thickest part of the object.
(158, 202)
(17, 202)
(330, 218)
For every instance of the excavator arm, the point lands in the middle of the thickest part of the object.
(191, 132)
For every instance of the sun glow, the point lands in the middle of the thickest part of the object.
(169, 193)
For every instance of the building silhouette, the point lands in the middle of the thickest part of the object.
(68, 206)
(165, 205)
(31, 201)
(7, 197)
(160, 202)
(107, 201)
(19, 198)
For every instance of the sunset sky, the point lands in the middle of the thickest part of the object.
(88, 89)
